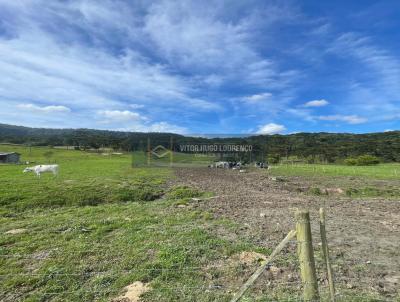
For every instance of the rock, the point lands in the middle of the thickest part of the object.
(339, 191)
(278, 179)
(16, 231)
(349, 286)
(333, 191)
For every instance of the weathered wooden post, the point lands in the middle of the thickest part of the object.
(171, 151)
(148, 151)
(325, 251)
(306, 256)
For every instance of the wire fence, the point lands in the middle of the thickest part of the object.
(267, 282)
(348, 286)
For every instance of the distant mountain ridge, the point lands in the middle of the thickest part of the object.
(321, 146)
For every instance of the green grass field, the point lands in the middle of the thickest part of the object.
(381, 171)
(99, 226)
(141, 159)
(102, 225)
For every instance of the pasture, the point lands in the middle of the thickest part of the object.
(381, 171)
(102, 225)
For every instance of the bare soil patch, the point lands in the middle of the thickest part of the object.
(364, 234)
(133, 292)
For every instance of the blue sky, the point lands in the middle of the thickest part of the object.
(201, 66)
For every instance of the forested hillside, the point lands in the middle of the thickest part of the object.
(314, 147)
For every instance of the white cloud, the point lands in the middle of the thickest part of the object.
(136, 106)
(173, 58)
(154, 127)
(199, 38)
(388, 130)
(204, 105)
(44, 109)
(256, 98)
(132, 121)
(376, 59)
(350, 119)
(64, 67)
(166, 127)
(119, 116)
(316, 103)
(374, 80)
(271, 128)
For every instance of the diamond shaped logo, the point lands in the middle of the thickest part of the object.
(160, 151)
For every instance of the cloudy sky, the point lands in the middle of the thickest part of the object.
(201, 66)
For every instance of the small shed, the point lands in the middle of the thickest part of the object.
(9, 157)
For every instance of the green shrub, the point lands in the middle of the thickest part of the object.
(351, 161)
(137, 193)
(316, 191)
(351, 191)
(183, 192)
(362, 160)
(366, 160)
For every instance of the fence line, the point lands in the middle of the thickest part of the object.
(341, 281)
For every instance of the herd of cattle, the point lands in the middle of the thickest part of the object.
(236, 165)
(39, 169)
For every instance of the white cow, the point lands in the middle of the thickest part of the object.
(222, 164)
(43, 168)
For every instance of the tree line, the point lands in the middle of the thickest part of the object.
(309, 147)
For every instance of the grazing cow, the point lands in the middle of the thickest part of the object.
(226, 165)
(222, 164)
(261, 165)
(43, 168)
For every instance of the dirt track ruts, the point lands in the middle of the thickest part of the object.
(364, 234)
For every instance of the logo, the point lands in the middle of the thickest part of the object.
(160, 151)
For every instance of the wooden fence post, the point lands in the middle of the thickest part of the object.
(171, 151)
(148, 151)
(325, 251)
(306, 256)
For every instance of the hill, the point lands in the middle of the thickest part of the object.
(313, 147)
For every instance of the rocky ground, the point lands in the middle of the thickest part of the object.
(363, 233)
